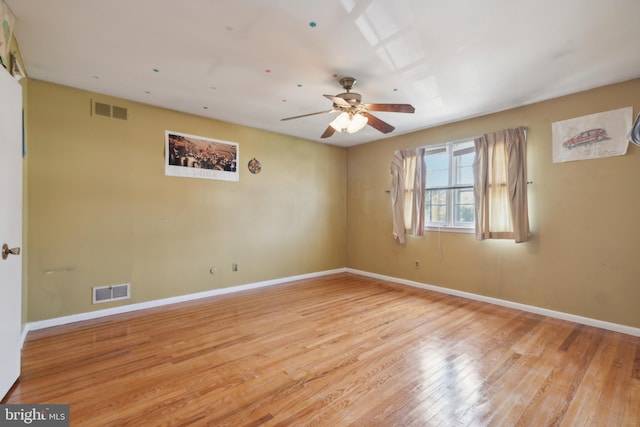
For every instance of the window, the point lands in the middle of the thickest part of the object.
(449, 200)
(436, 187)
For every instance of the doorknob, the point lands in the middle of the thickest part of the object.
(6, 251)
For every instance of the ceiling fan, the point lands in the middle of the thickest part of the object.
(354, 115)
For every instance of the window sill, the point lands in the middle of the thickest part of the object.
(451, 229)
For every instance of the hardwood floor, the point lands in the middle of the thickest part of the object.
(337, 350)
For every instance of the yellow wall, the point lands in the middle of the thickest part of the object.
(102, 212)
(583, 258)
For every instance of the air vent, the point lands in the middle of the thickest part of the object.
(106, 110)
(119, 113)
(101, 109)
(111, 293)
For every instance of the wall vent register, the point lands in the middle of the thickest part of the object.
(111, 293)
(106, 110)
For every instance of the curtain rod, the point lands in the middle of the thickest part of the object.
(458, 187)
(471, 138)
(453, 187)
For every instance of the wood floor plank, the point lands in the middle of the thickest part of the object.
(336, 350)
(618, 379)
(583, 405)
(549, 405)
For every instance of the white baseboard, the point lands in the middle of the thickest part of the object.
(524, 307)
(23, 336)
(214, 292)
(32, 326)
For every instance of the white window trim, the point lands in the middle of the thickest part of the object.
(451, 229)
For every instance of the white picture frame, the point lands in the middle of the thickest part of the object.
(192, 156)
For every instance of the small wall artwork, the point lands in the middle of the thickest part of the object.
(594, 136)
(254, 166)
(194, 156)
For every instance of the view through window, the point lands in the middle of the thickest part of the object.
(449, 201)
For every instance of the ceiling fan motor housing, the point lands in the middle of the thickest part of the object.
(347, 83)
(354, 99)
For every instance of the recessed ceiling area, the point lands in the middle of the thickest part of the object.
(254, 62)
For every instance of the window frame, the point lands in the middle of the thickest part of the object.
(453, 187)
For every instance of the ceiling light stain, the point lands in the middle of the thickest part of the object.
(156, 70)
(312, 24)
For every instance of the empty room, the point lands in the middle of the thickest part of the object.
(339, 212)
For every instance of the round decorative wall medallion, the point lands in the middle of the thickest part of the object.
(254, 166)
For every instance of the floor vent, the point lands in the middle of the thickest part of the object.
(106, 110)
(111, 293)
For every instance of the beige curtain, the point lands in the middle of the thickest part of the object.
(500, 187)
(408, 175)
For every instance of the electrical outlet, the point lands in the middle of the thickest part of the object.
(234, 267)
(417, 263)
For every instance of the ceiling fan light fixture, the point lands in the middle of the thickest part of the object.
(349, 123)
(354, 115)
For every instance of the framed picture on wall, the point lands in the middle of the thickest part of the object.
(192, 156)
(594, 136)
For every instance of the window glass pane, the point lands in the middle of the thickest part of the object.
(437, 169)
(463, 155)
(436, 206)
(464, 173)
(464, 207)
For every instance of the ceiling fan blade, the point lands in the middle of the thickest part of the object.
(328, 132)
(338, 101)
(391, 108)
(378, 124)
(307, 115)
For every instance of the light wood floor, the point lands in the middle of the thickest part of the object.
(338, 350)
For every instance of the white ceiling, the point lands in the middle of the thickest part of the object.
(255, 62)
